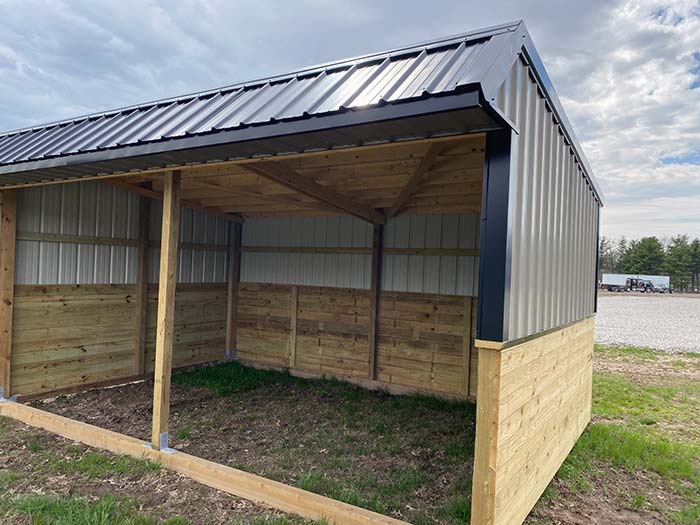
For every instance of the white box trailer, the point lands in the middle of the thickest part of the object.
(620, 282)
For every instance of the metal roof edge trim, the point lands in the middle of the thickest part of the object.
(304, 71)
(468, 97)
(533, 59)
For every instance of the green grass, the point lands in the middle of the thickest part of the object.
(636, 352)
(51, 510)
(658, 408)
(233, 378)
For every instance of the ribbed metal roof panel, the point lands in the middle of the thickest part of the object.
(419, 71)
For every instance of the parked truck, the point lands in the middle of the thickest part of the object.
(617, 282)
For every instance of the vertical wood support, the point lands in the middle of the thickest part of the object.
(294, 311)
(8, 233)
(485, 450)
(166, 309)
(234, 279)
(142, 285)
(375, 289)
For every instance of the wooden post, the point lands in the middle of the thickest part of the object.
(142, 285)
(8, 232)
(234, 279)
(467, 344)
(166, 309)
(294, 312)
(375, 288)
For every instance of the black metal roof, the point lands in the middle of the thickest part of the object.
(354, 101)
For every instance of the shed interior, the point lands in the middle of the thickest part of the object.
(303, 293)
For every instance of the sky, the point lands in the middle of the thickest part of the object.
(627, 72)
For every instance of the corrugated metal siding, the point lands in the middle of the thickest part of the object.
(327, 269)
(97, 209)
(553, 217)
(194, 265)
(89, 208)
(449, 275)
(405, 273)
(386, 78)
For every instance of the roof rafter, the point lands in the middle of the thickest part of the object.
(409, 189)
(286, 176)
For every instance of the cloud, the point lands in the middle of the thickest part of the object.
(627, 72)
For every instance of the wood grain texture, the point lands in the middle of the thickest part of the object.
(8, 232)
(165, 321)
(420, 337)
(533, 403)
(236, 482)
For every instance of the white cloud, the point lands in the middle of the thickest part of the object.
(622, 69)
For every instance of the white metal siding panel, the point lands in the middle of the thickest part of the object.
(194, 265)
(412, 273)
(86, 208)
(97, 209)
(553, 217)
(340, 270)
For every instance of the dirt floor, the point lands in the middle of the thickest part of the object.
(409, 457)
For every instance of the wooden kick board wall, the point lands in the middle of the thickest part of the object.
(533, 403)
(76, 335)
(423, 341)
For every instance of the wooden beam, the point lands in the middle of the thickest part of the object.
(242, 484)
(425, 164)
(8, 229)
(234, 278)
(225, 163)
(375, 290)
(76, 239)
(425, 252)
(147, 192)
(166, 310)
(142, 284)
(286, 176)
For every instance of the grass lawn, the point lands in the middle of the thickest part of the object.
(410, 457)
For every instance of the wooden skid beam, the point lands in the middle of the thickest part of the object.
(425, 164)
(166, 309)
(286, 176)
(8, 230)
(234, 278)
(236, 482)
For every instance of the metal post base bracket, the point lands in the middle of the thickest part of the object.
(3, 399)
(163, 444)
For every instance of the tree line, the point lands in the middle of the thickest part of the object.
(677, 257)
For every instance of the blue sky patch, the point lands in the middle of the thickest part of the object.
(689, 158)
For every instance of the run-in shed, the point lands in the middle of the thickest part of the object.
(421, 219)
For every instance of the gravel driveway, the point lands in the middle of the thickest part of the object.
(664, 322)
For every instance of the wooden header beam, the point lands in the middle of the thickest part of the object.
(286, 176)
(147, 192)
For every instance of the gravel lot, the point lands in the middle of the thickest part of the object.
(664, 322)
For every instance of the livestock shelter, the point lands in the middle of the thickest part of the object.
(418, 220)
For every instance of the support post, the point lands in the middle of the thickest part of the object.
(375, 289)
(166, 310)
(8, 232)
(142, 285)
(234, 279)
